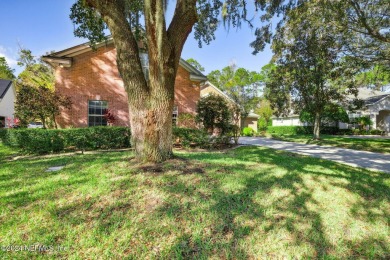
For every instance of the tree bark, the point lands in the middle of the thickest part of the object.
(150, 101)
(317, 126)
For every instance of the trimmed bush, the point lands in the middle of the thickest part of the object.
(299, 130)
(42, 141)
(247, 131)
(290, 130)
(189, 137)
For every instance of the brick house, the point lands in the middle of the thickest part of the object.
(91, 79)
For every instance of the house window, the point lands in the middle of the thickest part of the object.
(175, 114)
(145, 64)
(2, 121)
(96, 109)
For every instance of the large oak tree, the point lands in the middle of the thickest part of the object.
(151, 98)
(131, 22)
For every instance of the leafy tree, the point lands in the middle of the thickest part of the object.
(35, 74)
(378, 77)
(265, 111)
(241, 85)
(363, 25)
(36, 97)
(332, 114)
(151, 101)
(5, 71)
(196, 64)
(42, 103)
(310, 73)
(213, 113)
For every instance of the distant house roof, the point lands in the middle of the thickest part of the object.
(252, 115)
(365, 93)
(374, 99)
(5, 84)
(65, 58)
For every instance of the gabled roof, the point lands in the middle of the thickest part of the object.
(5, 84)
(374, 99)
(219, 91)
(65, 57)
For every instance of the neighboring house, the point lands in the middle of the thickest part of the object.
(376, 106)
(91, 79)
(249, 121)
(7, 101)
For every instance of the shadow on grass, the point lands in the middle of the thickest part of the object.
(247, 203)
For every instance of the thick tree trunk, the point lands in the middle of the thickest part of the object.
(150, 101)
(317, 126)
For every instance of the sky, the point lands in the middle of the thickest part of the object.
(44, 25)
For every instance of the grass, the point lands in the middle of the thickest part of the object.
(378, 145)
(250, 202)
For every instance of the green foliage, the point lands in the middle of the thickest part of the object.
(5, 71)
(265, 111)
(332, 113)
(300, 130)
(41, 103)
(188, 137)
(261, 124)
(214, 114)
(187, 120)
(36, 75)
(241, 85)
(376, 77)
(247, 131)
(362, 121)
(310, 73)
(43, 141)
(195, 64)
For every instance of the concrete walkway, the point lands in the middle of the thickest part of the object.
(368, 160)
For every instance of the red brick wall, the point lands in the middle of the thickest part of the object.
(94, 76)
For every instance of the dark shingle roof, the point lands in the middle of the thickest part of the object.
(4, 86)
(374, 99)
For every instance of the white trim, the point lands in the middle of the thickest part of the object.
(386, 95)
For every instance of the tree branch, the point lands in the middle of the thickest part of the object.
(128, 60)
(183, 20)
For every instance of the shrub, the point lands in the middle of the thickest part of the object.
(298, 130)
(247, 131)
(42, 141)
(375, 132)
(189, 137)
(262, 124)
(214, 113)
(187, 120)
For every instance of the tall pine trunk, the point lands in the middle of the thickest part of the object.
(317, 126)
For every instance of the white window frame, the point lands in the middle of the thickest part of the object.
(104, 106)
(175, 115)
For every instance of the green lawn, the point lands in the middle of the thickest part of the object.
(251, 202)
(378, 145)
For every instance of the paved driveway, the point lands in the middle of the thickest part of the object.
(369, 160)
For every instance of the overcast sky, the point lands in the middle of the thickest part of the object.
(44, 25)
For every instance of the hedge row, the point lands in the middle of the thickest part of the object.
(41, 141)
(189, 137)
(298, 130)
(330, 130)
